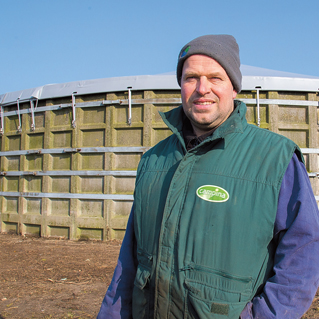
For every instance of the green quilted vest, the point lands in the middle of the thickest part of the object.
(204, 219)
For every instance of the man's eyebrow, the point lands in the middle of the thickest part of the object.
(209, 75)
(190, 73)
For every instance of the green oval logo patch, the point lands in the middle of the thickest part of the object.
(212, 193)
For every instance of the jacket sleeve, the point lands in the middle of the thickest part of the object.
(289, 293)
(117, 303)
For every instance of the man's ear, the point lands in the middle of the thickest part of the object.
(234, 94)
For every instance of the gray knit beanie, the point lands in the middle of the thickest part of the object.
(222, 47)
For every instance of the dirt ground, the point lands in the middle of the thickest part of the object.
(52, 278)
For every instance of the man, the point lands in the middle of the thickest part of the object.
(224, 222)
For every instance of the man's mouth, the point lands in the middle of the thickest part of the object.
(204, 103)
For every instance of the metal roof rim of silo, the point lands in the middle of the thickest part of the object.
(286, 82)
(116, 84)
(280, 83)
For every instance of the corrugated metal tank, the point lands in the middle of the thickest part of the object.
(69, 152)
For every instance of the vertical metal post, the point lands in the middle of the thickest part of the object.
(258, 108)
(73, 109)
(129, 120)
(18, 107)
(2, 115)
(32, 115)
(2, 120)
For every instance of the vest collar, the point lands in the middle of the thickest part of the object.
(236, 122)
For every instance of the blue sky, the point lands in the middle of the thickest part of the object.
(57, 41)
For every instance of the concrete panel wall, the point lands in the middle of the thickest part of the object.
(73, 175)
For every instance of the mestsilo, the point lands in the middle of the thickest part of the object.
(69, 152)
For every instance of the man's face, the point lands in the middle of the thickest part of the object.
(207, 93)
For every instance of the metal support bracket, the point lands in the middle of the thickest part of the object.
(129, 120)
(258, 108)
(34, 152)
(73, 110)
(32, 113)
(71, 150)
(19, 115)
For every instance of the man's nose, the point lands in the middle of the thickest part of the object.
(203, 85)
